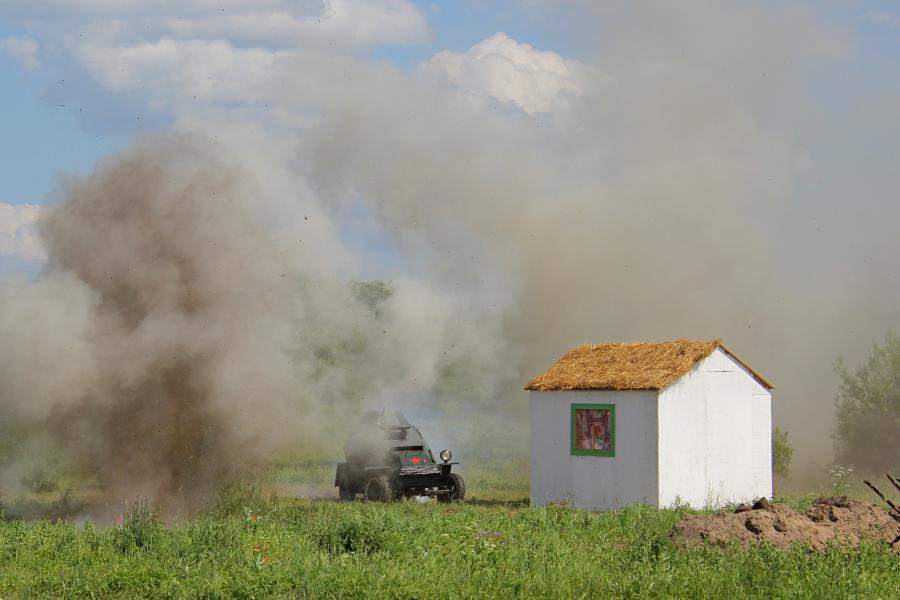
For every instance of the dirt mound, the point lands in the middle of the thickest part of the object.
(838, 519)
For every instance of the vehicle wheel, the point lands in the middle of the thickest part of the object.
(379, 489)
(457, 486)
(345, 494)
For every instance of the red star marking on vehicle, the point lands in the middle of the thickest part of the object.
(415, 460)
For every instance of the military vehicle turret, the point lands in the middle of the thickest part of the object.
(387, 458)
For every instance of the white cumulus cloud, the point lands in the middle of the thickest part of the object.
(18, 236)
(348, 22)
(277, 23)
(168, 69)
(511, 72)
(23, 49)
(177, 60)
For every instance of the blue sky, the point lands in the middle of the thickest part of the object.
(39, 140)
(55, 120)
(43, 134)
(58, 118)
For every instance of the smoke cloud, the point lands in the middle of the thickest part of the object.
(176, 338)
(343, 233)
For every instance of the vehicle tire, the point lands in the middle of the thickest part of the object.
(345, 494)
(379, 489)
(457, 486)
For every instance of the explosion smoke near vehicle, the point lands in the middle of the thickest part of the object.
(167, 358)
(196, 310)
(174, 340)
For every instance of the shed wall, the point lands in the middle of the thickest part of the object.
(715, 436)
(594, 482)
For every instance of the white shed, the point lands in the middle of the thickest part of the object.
(660, 422)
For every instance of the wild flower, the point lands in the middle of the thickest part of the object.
(840, 479)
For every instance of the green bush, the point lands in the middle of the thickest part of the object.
(868, 410)
(139, 530)
(40, 478)
(782, 453)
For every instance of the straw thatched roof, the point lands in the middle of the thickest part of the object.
(638, 366)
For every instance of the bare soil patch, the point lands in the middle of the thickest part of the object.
(838, 519)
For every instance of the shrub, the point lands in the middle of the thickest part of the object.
(868, 410)
(140, 528)
(782, 453)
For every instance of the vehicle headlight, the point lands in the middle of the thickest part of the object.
(446, 455)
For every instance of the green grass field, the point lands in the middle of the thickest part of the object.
(255, 546)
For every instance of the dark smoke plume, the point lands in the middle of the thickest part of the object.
(174, 285)
(181, 334)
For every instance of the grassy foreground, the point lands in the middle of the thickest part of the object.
(260, 548)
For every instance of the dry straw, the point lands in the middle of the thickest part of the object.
(637, 366)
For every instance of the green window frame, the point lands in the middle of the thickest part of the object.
(573, 445)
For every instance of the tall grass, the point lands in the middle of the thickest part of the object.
(252, 546)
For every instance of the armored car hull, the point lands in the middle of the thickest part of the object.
(387, 458)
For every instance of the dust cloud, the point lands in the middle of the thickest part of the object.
(177, 338)
(683, 192)
(251, 280)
